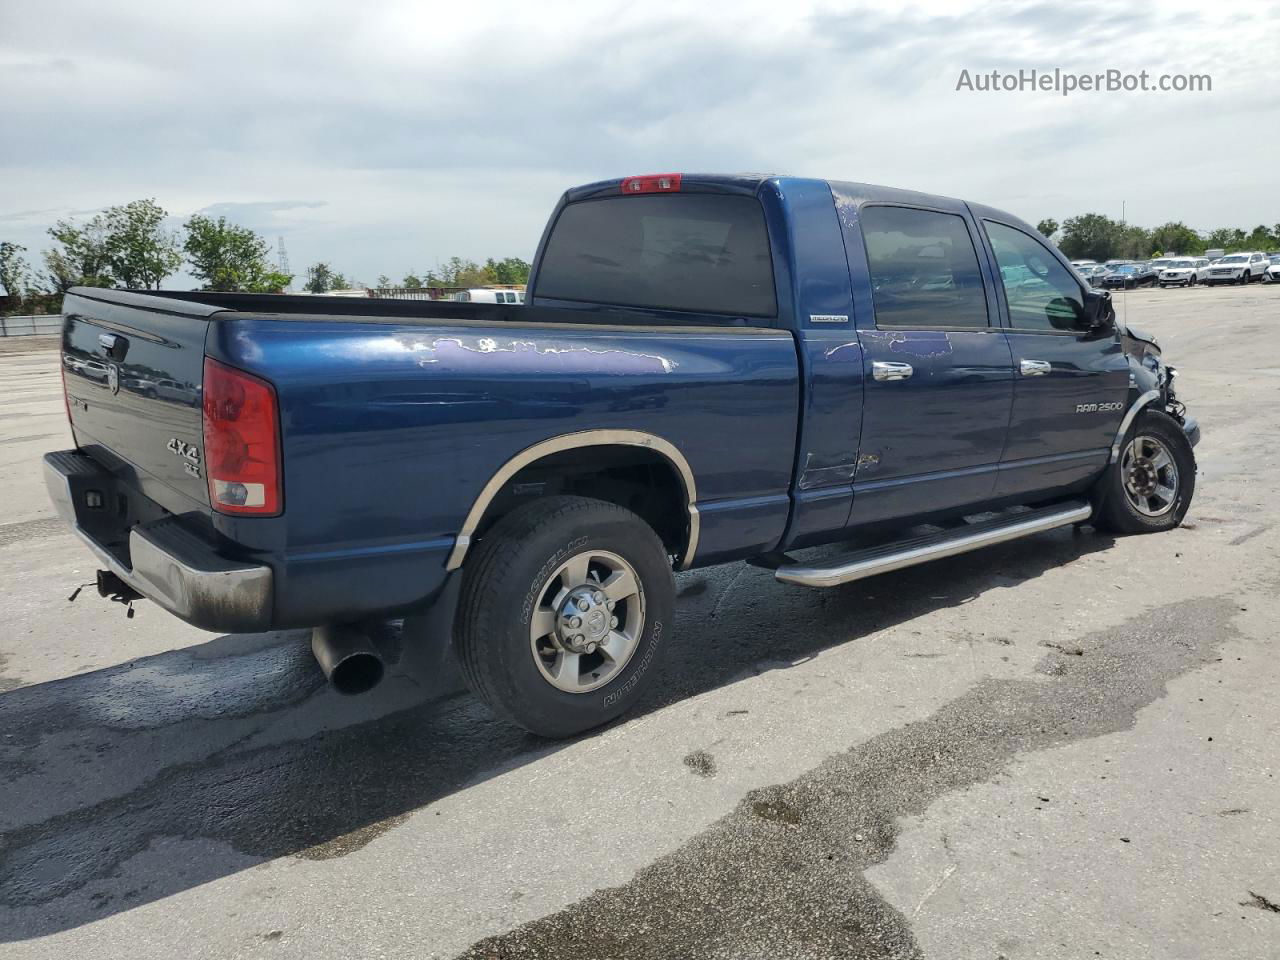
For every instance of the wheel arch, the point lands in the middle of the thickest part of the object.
(647, 448)
(1135, 408)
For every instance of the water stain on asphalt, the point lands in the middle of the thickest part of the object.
(701, 763)
(784, 874)
(11, 533)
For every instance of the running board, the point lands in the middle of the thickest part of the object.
(934, 546)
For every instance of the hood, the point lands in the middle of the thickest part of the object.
(1139, 339)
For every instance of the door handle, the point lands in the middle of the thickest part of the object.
(888, 370)
(1034, 368)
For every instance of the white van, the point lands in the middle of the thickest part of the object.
(482, 295)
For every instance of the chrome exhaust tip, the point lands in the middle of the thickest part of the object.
(350, 661)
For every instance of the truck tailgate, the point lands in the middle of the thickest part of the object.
(133, 381)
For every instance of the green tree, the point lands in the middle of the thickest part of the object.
(412, 281)
(229, 257)
(1091, 236)
(1226, 238)
(81, 257)
(1048, 227)
(1133, 243)
(512, 270)
(1177, 237)
(14, 272)
(383, 281)
(319, 278)
(1260, 238)
(339, 281)
(140, 252)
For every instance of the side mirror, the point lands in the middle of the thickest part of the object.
(1099, 314)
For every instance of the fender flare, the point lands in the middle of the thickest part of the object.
(1134, 409)
(573, 441)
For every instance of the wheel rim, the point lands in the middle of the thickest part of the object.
(588, 621)
(1150, 476)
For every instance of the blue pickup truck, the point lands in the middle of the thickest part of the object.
(708, 369)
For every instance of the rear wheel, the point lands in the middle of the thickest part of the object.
(1150, 487)
(564, 606)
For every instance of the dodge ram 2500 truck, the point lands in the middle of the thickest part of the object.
(708, 369)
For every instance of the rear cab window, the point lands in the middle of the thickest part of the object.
(924, 269)
(689, 252)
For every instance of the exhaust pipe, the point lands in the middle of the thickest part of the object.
(350, 661)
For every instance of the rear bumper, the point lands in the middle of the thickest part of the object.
(160, 558)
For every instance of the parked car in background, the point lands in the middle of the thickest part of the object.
(1238, 268)
(483, 295)
(1273, 270)
(1084, 263)
(1092, 274)
(1127, 276)
(1186, 272)
(1160, 263)
(1215, 254)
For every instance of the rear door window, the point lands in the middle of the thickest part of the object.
(924, 269)
(700, 253)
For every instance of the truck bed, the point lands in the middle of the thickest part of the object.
(395, 415)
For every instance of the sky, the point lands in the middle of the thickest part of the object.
(383, 137)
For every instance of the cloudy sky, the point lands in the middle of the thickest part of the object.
(383, 137)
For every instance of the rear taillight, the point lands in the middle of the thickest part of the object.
(241, 441)
(652, 183)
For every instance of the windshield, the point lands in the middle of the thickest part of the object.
(1125, 268)
(1179, 264)
(1234, 259)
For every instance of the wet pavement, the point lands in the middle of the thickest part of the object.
(1064, 746)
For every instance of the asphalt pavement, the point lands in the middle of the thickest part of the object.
(1065, 746)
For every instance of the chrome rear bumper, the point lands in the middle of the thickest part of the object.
(160, 559)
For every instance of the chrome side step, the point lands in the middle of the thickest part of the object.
(934, 546)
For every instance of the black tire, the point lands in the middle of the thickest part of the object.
(1117, 510)
(504, 583)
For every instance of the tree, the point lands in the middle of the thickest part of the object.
(412, 281)
(339, 281)
(81, 257)
(383, 281)
(1048, 227)
(1226, 238)
(1091, 236)
(513, 270)
(1133, 243)
(1260, 238)
(14, 272)
(319, 278)
(229, 257)
(1176, 237)
(140, 252)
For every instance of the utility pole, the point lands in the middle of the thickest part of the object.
(282, 260)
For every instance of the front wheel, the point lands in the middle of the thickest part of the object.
(1149, 488)
(565, 605)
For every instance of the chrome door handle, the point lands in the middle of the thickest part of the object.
(887, 370)
(1034, 368)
